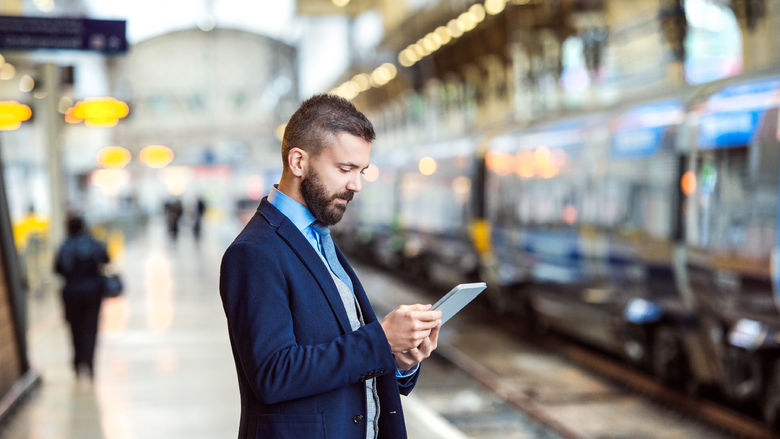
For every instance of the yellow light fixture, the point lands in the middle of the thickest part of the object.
(340, 3)
(156, 156)
(390, 69)
(12, 114)
(427, 166)
(405, 58)
(494, 7)
(100, 111)
(467, 21)
(380, 76)
(478, 12)
(438, 41)
(7, 72)
(428, 44)
(363, 81)
(455, 28)
(419, 52)
(26, 84)
(113, 157)
(70, 118)
(443, 34)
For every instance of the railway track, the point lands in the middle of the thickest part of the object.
(554, 387)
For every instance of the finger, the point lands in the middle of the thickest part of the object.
(434, 337)
(419, 336)
(418, 307)
(425, 348)
(425, 326)
(426, 316)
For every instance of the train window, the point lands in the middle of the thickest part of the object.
(636, 196)
(734, 210)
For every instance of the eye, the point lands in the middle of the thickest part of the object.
(344, 170)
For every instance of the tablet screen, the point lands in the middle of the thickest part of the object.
(457, 298)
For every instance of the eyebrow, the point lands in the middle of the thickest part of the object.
(352, 165)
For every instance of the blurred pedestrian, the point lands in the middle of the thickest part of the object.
(79, 260)
(200, 209)
(311, 355)
(173, 213)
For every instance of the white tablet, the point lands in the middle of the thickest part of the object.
(457, 298)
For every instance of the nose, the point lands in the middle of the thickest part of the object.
(355, 183)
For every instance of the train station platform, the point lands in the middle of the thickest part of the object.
(164, 367)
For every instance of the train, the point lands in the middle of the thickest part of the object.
(647, 229)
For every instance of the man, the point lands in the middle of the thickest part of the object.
(312, 359)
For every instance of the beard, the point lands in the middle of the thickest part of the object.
(320, 203)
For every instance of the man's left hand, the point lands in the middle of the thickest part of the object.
(408, 359)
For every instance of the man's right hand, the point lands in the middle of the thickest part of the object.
(408, 325)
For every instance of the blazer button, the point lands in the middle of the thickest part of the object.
(357, 419)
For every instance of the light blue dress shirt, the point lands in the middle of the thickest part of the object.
(303, 220)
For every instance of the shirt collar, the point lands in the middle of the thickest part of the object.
(293, 210)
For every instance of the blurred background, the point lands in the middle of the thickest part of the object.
(609, 167)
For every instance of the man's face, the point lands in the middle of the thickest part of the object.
(334, 176)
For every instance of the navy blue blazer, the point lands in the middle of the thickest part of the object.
(301, 369)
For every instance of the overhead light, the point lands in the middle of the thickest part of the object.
(478, 12)
(70, 118)
(455, 28)
(427, 166)
(101, 111)
(7, 72)
(426, 49)
(443, 34)
(26, 84)
(156, 156)
(467, 21)
(494, 7)
(113, 157)
(430, 43)
(418, 51)
(436, 38)
(405, 58)
(12, 114)
(363, 81)
(390, 69)
(340, 3)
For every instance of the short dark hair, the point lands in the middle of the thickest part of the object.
(75, 225)
(321, 116)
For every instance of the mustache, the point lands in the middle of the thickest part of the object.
(347, 195)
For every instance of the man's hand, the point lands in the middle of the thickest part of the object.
(408, 325)
(408, 359)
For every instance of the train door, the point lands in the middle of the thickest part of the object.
(731, 225)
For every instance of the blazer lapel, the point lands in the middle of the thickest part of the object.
(298, 243)
(365, 305)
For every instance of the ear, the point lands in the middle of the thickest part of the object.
(297, 161)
